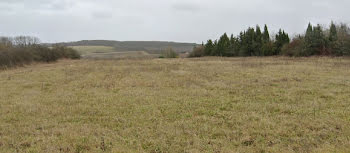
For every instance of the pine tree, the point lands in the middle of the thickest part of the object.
(209, 48)
(223, 45)
(315, 41)
(250, 38)
(333, 36)
(243, 44)
(318, 41)
(267, 48)
(309, 29)
(257, 44)
(342, 45)
(282, 38)
(215, 48)
(258, 32)
(286, 38)
(234, 46)
(266, 35)
(309, 34)
(308, 40)
(237, 46)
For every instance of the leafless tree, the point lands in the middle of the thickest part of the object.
(24, 41)
(6, 41)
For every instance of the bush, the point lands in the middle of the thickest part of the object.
(66, 52)
(198, 51)
(169, 53)
(296, 48)
(43, 54)
(25, 53)
(10, 57)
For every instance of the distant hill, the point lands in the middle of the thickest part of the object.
(149, 46)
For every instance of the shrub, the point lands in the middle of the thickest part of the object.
(43, 54)
(169, 53)
(24, 50)
(66, 52)
(10, 57)
(198, 52)
(296, 48)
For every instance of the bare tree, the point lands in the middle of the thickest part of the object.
(24, 41)
(6, 41)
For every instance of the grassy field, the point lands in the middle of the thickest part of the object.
(84, 50)
(177, 105)
(121, 55)
(105, 52)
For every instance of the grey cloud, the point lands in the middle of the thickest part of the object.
(102, 15)
(37, 5)
(61, 5)
(171, 20)
(185, 6)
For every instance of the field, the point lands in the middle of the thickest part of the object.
(121, 55)
(106, 52)
(274, 104)
(84, 50)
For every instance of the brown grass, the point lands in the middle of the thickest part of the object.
(177, 105)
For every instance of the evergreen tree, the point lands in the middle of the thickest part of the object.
(209, 48)
(234, 48)
(267, 47)
(258, 32)
(243, 44)
(254, 42)
(309, 29)
(309, 34)
(333, 36)
(342, 45)
(308, 40)
(282, 38)
(315, 41)
(318, 41)
(250, 38)
(223, 45)
(266, 35)
(235, 45)
(232, 43)
(258, 42)
(215, 48)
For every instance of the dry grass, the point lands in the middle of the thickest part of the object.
(177, 105)
(121, 55)
(84, 50)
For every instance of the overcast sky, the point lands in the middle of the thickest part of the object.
(167, 20)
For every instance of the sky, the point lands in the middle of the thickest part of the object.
(161, 20)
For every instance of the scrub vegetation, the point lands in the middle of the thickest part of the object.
(23, 50)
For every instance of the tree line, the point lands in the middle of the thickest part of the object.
(334, 41)
(21, 50)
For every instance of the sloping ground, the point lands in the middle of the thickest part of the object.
(120, 55)
(153, 47)
(105, 52)
(84, 50)
(177, 105)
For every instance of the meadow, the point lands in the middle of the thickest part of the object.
(211, 104)
(84, 50)
(107, 52)
(121, 55)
